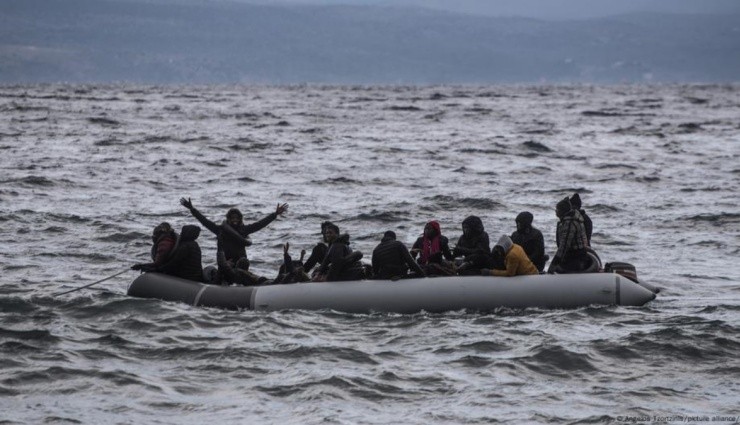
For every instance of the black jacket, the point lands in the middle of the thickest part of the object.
(534, 245)
(392, 259)
(338, 264)
(185, 261)
(317, 256)
(233, 241)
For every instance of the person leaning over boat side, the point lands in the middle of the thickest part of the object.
(291, 271)
(433, 249)
(571, 256)
(575, 202)
(341, 263)
(530, 239)
(164, 240)
(392, 260)
(232, 233)
(318, 253)
(516, 260)
(185, 261)
(236, 272)
(474, 246)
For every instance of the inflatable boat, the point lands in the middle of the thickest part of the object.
(434, 295)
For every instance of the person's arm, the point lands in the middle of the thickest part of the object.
(225, 267)
(259, 225)
(242, 239)
(324, 268)
(484, 245)
(375, 263)
(512, 262)
(416, 248)
(208, 224)
(538, 247)
(445, 247)
(413, 265)
(318, 253)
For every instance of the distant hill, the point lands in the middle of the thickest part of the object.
(222, 42)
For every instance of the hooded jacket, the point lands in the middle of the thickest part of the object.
(338, 264)
(475, 245)
(233, 240)
(516, 260)
(531, 240)
(436, 247)
(185, 261)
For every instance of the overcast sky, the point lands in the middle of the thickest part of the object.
(546, 9)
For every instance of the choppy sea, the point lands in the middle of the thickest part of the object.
(87, 171)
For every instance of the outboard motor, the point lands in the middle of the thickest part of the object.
(623, 269)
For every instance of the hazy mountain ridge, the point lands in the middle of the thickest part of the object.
(103, 41)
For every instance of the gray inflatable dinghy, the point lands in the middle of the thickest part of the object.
(434, 295)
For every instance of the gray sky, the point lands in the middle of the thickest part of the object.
(545, 9)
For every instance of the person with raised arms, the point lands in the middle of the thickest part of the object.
(232, 233)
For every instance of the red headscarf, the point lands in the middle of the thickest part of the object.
(431, 246)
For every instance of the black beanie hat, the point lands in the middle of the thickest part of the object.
(563, 206)
(575, 201)
(525, 217)
(390, 235)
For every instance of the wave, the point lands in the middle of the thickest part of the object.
(536, 146)
(557, 361)
(446, 202)
(108, 122)
(383, 216)
(720, 219)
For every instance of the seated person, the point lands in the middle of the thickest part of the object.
(392, 260)
(164, 240)
(238, 273)
(291, 271)
(530, 239)
(473, 245)
(318, 253)
(433, 249)
(516, 260)
(185, 261)
(341, 263)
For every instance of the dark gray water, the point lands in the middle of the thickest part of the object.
(87, 171)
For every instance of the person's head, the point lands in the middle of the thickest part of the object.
(563, 207)
(432, 229)
(472, 225)
(524, 221)
(330, 231)
(503, 245)
(575, 201)
(234, 217)
(390, 235)
(161, 229)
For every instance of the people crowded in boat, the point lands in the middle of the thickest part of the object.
(333, 259)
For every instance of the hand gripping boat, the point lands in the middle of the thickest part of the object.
(434, 295)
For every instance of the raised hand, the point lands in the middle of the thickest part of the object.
(186, 203)
(281, 209)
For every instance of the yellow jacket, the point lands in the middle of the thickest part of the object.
(517, 263)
